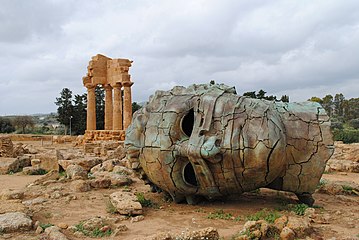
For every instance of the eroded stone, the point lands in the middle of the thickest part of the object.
(126, 203)
(15, 222)
(205, 140)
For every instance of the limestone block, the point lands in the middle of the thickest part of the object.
(54, 233)
(87, 163)
(25, 160)
(100, 183)
(52, 175)
(126, 203)
(89, 147)
(75, 171)
(15, 222)
(6, 147)
(104, 166)
(80, 186)
(8, 165)
(300, 226)
(287, 234)
(49, 160)
(117, 180)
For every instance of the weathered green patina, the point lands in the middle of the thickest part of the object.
(205, 140)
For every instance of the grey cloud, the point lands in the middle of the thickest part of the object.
(301, 48)
(25, 20)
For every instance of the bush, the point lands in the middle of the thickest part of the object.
(354, 123)
(219, 214)
(264, 214)
(337, 125)
(6, 125)
(299, 209)
(347, 136)
(144, 201)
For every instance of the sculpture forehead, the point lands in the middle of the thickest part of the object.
(180, 99)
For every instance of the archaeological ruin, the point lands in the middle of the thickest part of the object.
(112, 75)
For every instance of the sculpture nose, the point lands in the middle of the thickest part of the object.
(210, 148)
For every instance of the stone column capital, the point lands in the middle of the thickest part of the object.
(127, 84)
(90, 85)
(107, 87)
(116, 85)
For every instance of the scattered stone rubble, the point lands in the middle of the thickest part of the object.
(345, 158)
(102, 165)
(287, 227)
(209, 233)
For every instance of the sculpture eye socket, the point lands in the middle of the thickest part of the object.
(189, 175)
(187, 123)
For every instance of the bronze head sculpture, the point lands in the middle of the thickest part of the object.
(207, 141)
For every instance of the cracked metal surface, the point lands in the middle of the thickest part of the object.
(207, 141)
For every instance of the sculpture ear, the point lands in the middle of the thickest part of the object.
(187, 123)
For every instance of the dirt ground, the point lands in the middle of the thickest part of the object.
(340, 212)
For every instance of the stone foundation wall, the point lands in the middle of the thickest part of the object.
(100, 135)
(28, 137)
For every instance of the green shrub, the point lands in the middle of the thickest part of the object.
(346, 135)
(94, 233)
(39, 171)
(336, 125)
(265, 214)
(220, 214)
(46, 225)
(110, 208)
(299, 209)
(145, 202)
(354, 123)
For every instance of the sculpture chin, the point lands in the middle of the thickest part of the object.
(206, 141)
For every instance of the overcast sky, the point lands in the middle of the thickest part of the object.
(299, 48)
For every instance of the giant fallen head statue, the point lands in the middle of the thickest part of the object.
(207, 141)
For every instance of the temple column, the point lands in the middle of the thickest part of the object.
(117, 107)
(108, 107)
(127, 105)
(91, 107)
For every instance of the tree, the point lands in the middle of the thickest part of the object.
(6, 125)
(262, 95)
(339, 104)
(284, 98)
(351, 109)
(316, 99)
(23, 122)
(354, 123)
(327, 104)
(65, 107)
(100, 108)
(250, 94)
(78, 124)
(135, 107)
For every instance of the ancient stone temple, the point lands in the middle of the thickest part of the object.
(112, 75)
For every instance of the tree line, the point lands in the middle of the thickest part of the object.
(16, 123)
(72, 110)
(262, 95)
(344, 115)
